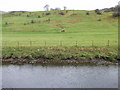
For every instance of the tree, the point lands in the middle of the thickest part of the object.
(65, 7)
(117, 8)
(116, 12)
(46, 7)
(97, 11)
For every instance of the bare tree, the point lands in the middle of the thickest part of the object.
(65, 7)
(46, 7)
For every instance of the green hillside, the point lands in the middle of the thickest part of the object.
(65, 28)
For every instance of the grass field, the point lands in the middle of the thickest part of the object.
(74, 36)
(80, 29)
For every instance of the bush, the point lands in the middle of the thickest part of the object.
(87, 13)
(97, 11)
(116, 15)
(99, 20)
(24, 23)
(48, 14)
(66, 11)
(48, 20)
(28, 16)
(32, 21)
(61, 13)
(6, 23)
(39, 16)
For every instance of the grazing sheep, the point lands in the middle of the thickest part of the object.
(62, 30)
(99, 20)
(9, 23)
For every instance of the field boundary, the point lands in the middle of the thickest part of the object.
(58, 43)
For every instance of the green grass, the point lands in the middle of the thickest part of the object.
(81, 28)
(84, 36)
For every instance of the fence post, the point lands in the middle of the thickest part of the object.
(45, 43)
(30, 43)
(60, 43)
(18, 44)
(108, 43)
(76, 43)
(92, 43)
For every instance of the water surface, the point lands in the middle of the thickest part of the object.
(28, 76)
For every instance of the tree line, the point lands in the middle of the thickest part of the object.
(46, 7)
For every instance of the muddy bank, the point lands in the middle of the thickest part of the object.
(59, 62)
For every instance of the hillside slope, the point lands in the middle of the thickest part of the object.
(55, 26)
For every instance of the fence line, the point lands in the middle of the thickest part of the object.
(59, 43)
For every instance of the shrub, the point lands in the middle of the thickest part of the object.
(48, 14)
(66, 11)
(24, 23)
(62, 13)
(116, 15)
(87, 13)
(39, 16)
(32, 21)
(48, 20)
(97, 11)
(28, 16)
(19, 14)
(6, 23)
(99, 20)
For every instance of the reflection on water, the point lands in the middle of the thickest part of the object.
(28, 76)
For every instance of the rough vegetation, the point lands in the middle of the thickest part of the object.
(72, 55)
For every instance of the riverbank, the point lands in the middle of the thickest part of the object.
(57, 55)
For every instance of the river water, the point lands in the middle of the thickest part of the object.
(30, 76)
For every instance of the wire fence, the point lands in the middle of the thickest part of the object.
(59, 43)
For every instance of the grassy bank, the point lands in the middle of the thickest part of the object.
(60, 55)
